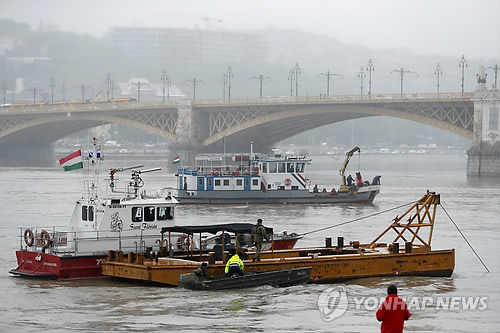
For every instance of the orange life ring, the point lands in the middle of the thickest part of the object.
(183, 242)
(288, 181)
(29, 238)
(45, 239)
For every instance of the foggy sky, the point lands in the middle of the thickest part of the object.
(445, 27)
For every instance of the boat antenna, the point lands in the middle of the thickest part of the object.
(251, 150)
(463, 236)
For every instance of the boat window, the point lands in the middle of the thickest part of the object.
(255, 182)
(290, 167)
(295, 187)
(281, 187)
(226, 182)
(200, 181)
(269, 186)
(217, 182)
(239, 182)
(136, 214)
(247, 182)
(209, 182)
(163, 213)
(281, 167)
(84, 213)
(149, 214)
(264, 167)
(91, 213)
(273, 167)
(300, 167)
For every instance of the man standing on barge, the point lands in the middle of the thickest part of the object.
(258, 236)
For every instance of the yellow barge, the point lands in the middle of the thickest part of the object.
(329, 263)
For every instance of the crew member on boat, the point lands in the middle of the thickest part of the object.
(258, 236)
(234, 264)
(202, 272)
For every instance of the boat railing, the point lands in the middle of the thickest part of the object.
(58, 240)
(223, 170)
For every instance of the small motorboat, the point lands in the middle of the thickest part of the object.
(275, 278)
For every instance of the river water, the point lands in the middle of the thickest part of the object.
(45, 196)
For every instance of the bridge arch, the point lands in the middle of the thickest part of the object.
(275, 126)
(50, 128)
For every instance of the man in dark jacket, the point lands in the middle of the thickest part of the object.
(258, 236)
(393, 312)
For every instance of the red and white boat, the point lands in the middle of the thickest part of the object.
(129, 221)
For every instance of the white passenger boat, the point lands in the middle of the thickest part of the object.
(259, 179)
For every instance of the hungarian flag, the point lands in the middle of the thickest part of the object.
(72, 162)
(177, 160)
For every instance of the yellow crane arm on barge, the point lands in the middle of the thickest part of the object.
(349, 154)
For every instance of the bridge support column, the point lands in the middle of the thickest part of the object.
(484, 154)
(187, 132)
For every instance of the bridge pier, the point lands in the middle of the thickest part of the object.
(484, 154)
(188, 136)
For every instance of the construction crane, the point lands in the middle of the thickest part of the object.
(344, 187)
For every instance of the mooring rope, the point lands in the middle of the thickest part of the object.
(359, 218)
(463, 236)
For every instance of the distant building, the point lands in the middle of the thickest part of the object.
(174, 47)
(149, 91)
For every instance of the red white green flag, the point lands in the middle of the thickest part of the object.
(177, 160)
(72, 162)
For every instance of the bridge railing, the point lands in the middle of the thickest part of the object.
(278, 100)
(341, 99)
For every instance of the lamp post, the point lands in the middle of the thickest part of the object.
(229, 76)
(361, 75)
(138, 85)
(291, 78)
(438, 72)
(402, 72)
(109, 83)
(52, 85)
(261, 79)
(296, 71)
(495, 68)
(4, 88)
(463, 64)
(370, 69)
(195, 81)
(328, 74)
(165, 83)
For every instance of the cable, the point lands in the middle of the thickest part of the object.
(358, 219)
(456, 226)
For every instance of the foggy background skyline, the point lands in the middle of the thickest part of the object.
(448, 28)
(80, 43)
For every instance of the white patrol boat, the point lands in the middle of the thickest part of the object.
(258, 179)
(129, 221)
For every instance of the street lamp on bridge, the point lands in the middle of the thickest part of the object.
(370, 69)
(4, 88)
(328, 75)
(495, 68)
(438, 72)
(402, 72)
(463, 64)
(194, 81)
(138, 85)
(165, 84)
(361, 75)
(261, 79)
(229, 75)
(52, 85)
(109, 84)
(83, 87)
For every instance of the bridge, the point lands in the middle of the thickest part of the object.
(202, 125)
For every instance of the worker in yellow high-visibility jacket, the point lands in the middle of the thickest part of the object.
(234, 265)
